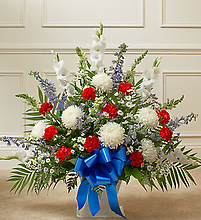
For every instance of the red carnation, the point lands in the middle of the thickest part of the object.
(89, 93)
(63, 153)
(123, 87)
(166, 133)
(164, 116)
(45, 107)
(92, 143)
(111, 110)
(136, 158)
(50, 132)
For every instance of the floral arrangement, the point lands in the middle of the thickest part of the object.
(104, 127)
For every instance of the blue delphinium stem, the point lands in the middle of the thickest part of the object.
(47, 85)
(118, 71)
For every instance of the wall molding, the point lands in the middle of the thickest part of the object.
(45, 23)
(21, 24)
(164, 89)
(165, 24)
(131, 50)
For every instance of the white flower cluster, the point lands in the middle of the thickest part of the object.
(23, 155)
(149, 78)
(147, 117)
(112, 134)
(70, 117)
(177, 156)
(148, 150)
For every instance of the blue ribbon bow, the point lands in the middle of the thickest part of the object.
(102, 168)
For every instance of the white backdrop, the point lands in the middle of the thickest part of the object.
(30, 29)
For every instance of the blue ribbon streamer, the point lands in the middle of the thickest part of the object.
(102, 168)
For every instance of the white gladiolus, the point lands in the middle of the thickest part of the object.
(149, 78)
(70, 117)
(38, 130)
(151, 74)
(96, 52)
(103, 82)
(149, 151)
(112, 134)
(23, 155)
(63, 76)
(148, 117)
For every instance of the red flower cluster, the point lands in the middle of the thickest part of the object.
(92, 143)
(89, 93)
(63, 153)
(111, 110)
(166, 133)
(50, 132)
(123, 87)
(164, 116)
(45, 107)
(136, 158)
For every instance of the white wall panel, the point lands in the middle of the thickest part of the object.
(11, 108)
(88, 13)
(12, 13)
(188, 83)
(180, 13)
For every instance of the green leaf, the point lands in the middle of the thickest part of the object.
(31, 182)
(190, 177)
(182, 178)
(169, 180)
(136, 173)
(34, 118)
(128, 171)
(173, 178)
(40, 95)
(176, 175)
(32, 114)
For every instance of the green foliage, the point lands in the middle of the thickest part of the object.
(71, 180)
(170, 104)
(138, 61)
(30, 100)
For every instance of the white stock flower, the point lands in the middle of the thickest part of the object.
(112, 134)
(38, 130)
(149, 151)
(23, 155)
(148, 117)
(103, 82)
(70, 117)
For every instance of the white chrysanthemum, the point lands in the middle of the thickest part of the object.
(38, 130)
(70, 117)
(148, 117)
(112, 134)
(149, 151)
(103, 82)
